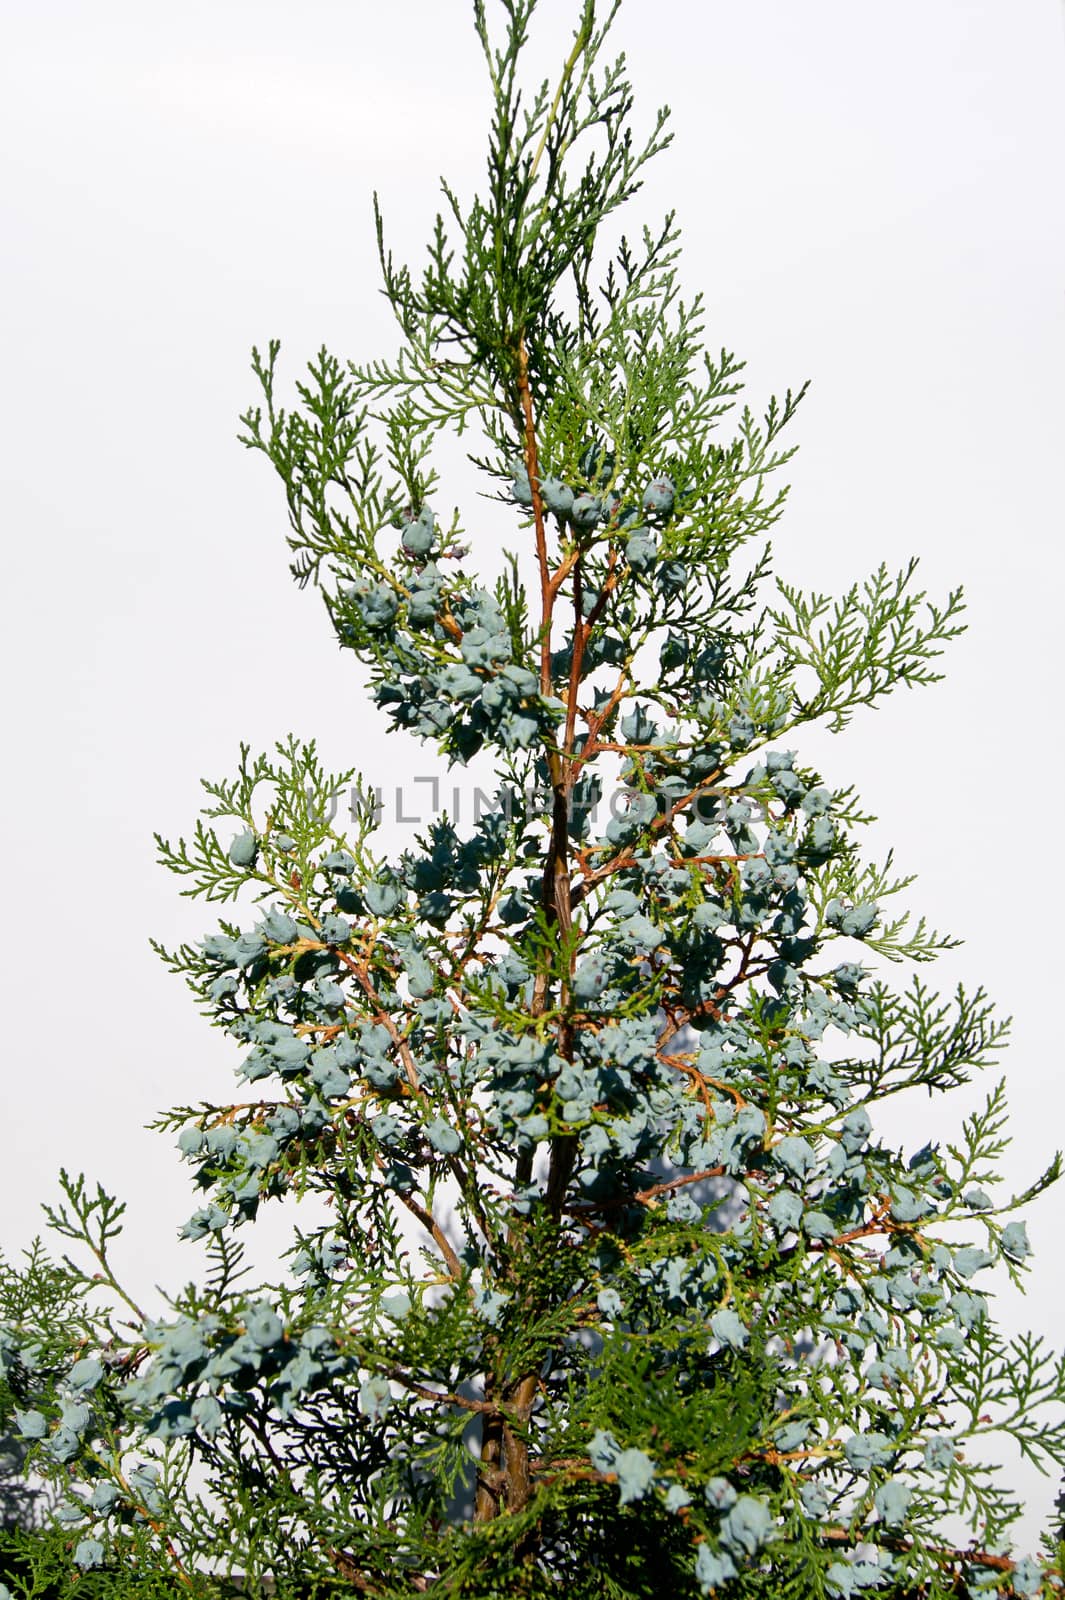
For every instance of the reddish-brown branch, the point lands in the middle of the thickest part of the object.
(443, 1397)
(515, 1448)
(562, 572)
(157, 1527)
(644, 1196)
(489, 1477)
(580, 639)
(532, 467)
(582, 632)
(429, 1222)
(361, 969)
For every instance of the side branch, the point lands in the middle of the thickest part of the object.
(429, 1222)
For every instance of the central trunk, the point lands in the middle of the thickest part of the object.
(504, 1481)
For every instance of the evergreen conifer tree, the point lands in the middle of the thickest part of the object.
(620, 1293)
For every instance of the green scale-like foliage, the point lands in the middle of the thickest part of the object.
(620, 1293)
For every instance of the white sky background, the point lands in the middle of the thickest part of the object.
(871, 198)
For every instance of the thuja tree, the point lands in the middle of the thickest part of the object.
(618, 1292)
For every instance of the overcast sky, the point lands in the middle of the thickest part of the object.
(871, 198)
